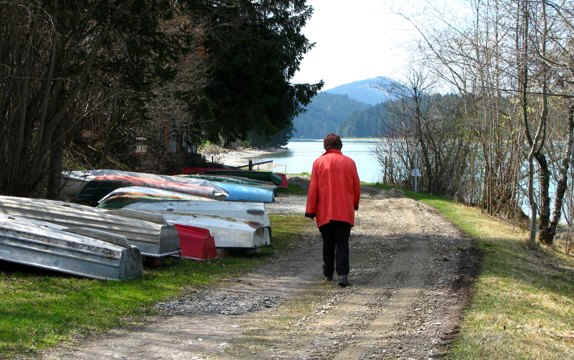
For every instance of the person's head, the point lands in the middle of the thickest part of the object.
(332, 141)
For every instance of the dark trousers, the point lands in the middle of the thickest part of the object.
(335, 247)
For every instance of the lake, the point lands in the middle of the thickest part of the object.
(301, 153)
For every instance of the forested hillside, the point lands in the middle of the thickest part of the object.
(325, 114)
(353, 110)
(371, 122)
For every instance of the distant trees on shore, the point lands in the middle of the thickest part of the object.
(512, 121)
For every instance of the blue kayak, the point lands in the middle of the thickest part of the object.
(238, 192)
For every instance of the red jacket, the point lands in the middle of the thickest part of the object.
(334, 190)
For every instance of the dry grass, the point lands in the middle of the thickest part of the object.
(523, 302)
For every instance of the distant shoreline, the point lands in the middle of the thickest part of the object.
(342, 138)
(241, 156)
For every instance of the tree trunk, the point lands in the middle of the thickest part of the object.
(546, 235)
(55, 171)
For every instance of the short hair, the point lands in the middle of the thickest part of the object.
(332, 141)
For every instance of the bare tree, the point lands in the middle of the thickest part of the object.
(63, 64)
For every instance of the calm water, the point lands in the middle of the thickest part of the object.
(301, 154)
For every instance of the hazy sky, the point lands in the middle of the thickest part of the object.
(360, 39)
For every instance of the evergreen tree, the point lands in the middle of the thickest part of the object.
(255, 48)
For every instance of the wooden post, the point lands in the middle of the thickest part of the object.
(250, 165)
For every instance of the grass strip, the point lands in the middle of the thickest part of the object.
(523, 299)
(39, 309)
(291, 189)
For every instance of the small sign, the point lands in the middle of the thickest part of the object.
(416, 172)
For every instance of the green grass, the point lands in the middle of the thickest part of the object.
(523, 301)
(378, 185)
(292, 189)
(39, 310)
(303, 174)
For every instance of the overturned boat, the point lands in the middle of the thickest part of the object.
(233, 224)
(73, 250)
(267, 176)
(89, 186)
(150, 234)
(248, 193)
(246, 211)
(228, 232)
(121, 197)
(235, 180)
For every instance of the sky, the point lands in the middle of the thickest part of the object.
(360, 39)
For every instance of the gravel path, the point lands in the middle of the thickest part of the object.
(409, 273)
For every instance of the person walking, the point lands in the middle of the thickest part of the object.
(332, 198)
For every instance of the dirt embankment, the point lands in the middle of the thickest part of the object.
(409, 275)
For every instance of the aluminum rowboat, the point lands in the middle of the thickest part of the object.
(151, 235)
(100, 256)
(252, 214)
(247, 211)
(121, 197)
(227, 232)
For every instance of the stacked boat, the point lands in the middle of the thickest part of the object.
(89, 186)
(138, 215)
(243, 225)
(151, 235)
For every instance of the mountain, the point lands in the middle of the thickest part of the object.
(324, 115)
(370, 91)
(352, 110)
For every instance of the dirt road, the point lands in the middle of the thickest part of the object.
(409, 275)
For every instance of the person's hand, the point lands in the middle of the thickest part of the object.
(310, 215)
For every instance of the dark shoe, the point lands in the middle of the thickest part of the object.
(343, 281)
(329, 278)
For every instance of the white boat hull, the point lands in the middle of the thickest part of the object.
(227, 233)
(246, 211)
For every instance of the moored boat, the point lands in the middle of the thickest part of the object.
(77, 251)
(151, 235)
